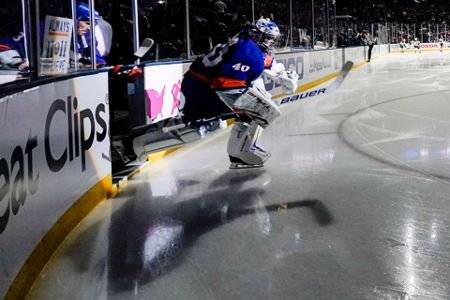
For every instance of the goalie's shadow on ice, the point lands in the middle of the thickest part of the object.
(149, 236)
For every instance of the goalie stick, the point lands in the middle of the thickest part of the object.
(332, 87)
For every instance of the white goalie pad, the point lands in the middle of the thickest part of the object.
(230, 96)
(242, 144)
(257, 104)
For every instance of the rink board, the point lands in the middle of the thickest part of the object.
(54, 149)
(395, 48)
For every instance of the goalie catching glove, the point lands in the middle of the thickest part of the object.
(288, 79)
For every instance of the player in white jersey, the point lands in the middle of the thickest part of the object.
(441, 43)
(416, 45)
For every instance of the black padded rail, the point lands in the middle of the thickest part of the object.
(17, 86)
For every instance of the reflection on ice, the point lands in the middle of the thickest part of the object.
(411, 132)
(160, 241)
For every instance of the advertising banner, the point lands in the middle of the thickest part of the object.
(163, 96)
(54, 147)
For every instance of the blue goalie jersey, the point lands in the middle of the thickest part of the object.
(232, 65)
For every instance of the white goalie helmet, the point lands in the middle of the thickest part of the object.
(270, 33)
(268, 27)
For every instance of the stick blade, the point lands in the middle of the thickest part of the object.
(346, 68)
(147, 43)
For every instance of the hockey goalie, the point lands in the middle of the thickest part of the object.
(228, 79)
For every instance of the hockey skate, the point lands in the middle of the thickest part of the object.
(258, 160)
(236, 163)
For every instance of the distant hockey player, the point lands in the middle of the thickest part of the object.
(416, 45)
(228, 79)
(369, 41)
(441, 43)
(402, 45)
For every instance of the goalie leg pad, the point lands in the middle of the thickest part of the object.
(257, 104)
(242, 145)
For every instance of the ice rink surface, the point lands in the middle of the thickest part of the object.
(353, 204)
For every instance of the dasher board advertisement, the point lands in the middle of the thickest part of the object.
(163, 97)
(54, 147)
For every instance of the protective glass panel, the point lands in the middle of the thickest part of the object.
(302, 23)
(162, 21)
(279, 12)
(214, 22)
(13, 50)
(321, 29)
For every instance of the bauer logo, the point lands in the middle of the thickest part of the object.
(302, 96)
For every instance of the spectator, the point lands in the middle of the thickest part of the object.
(84, 37)
(12, 52)
(220, 7)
